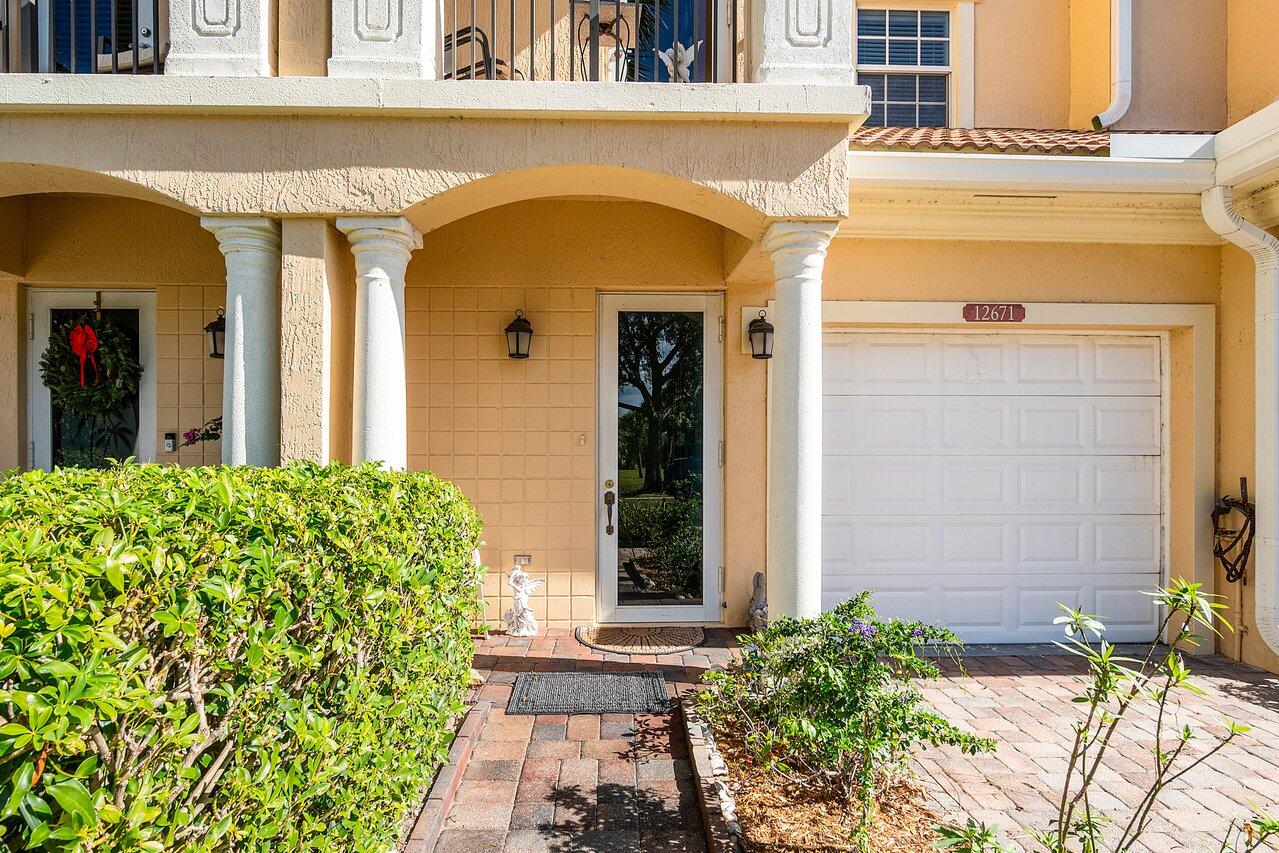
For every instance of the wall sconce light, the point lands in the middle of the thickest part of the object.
(216, 330)
(761, 335)
(519, 336)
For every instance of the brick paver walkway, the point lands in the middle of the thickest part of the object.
(620, 782)
(1024, 702)
(594, 784)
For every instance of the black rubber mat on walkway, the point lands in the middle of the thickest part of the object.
(588, 693)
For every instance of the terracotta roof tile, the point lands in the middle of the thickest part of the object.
(984, 140)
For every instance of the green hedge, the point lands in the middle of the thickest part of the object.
(228, 658)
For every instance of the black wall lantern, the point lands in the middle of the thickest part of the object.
(519, 336)
(761, 335)
(216, 330)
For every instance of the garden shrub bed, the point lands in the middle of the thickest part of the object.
(228, 658)
(776, 818)
(819, 720)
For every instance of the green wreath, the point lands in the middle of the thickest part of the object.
(92, 385)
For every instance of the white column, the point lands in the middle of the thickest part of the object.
(251, 371)
(382, 246)
(384, 38)
(795, 419)
(217, 38)
(802, 41)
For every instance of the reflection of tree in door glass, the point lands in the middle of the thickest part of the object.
(659, 457)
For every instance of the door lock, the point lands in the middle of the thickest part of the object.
(610, 498)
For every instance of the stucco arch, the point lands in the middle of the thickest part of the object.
(587, 181)
(18, 179)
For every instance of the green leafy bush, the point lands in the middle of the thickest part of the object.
(830, 702)
(227, 658)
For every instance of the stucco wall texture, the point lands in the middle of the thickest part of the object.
(520, 437)
(1253, 39)
(1022, 63)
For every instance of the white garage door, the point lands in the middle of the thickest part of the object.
(974, 481)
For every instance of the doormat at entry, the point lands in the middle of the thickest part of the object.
(637, 640)
(588, 693)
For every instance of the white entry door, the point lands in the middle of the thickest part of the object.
(56, 437)
(975, 481)
(660, 491)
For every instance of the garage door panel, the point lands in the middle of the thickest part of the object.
(988, 425)
(1009, 607)
(957, 546)
(993, 364)
(941, 485)
(977, 481)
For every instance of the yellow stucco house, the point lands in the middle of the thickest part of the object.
(1013, 261)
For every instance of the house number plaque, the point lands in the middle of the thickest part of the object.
(994, 312)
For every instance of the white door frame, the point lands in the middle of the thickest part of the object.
(40, 302)
(712, 306)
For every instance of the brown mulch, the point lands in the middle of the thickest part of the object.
(779, 819)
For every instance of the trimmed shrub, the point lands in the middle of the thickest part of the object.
(228, 658)
(832, 703)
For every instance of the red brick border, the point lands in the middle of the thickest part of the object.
(430, 820)
(710, 771)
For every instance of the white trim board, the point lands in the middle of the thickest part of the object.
(1170, 220)
(39, 406)
(933, 170)
(562, 99)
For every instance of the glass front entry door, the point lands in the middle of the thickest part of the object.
(660, 487)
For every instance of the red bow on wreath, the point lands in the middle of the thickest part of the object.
(84, 343)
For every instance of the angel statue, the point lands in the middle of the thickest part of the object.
(681, 58)
(519, 618)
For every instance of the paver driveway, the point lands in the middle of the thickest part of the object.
(620, 783)
(1024, 702)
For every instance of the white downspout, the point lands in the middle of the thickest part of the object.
(1120, 65)
(1220, 214)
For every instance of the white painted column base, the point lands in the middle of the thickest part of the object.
(251, 370)
(382, 246)
(794, 577)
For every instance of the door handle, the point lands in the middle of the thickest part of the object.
(610, 498)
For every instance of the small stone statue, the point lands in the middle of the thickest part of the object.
(757, 610)
(678, 60)
(519, 618)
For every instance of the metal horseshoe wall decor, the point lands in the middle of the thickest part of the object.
(1232, 546)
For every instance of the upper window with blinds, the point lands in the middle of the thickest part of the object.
(903, 55)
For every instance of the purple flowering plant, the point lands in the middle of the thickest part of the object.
(209, 431)
(833, 702)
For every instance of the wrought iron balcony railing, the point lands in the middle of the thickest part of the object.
(613, 40)
(83, 36)
(617, 40)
